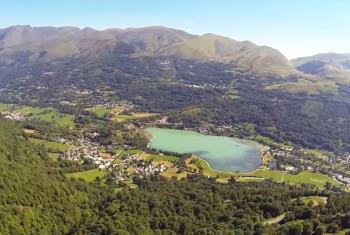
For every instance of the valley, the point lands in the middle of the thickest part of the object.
(157, 131)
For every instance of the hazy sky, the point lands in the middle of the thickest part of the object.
(295, 27)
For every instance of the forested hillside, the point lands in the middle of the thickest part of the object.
(34, 197)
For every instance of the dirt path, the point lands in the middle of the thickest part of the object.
(275, 220)
(282, 177)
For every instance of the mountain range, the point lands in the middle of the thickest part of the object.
(45, 44)
(326, 65)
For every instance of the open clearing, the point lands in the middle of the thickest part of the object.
(118, 115)
(53, 156)
(133, 116)
(44, 114)
(100, 111)
(307, 177)
(158, 157)
(57, 118)
(53, 147)
(313, 87)
(174, 172)
(315, 200)
(88, 176)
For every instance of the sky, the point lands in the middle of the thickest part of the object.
(294, 27)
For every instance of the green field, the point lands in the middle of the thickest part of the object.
(134, 151)
(162, 158)
(100, 111)
(267, 174)
(89, 175)
(304, 177)
(30, 110)
(207, 171)
(133, 116)
(315, 200)
(318, 153)
(307, 177)
(310, 87)
(117, 113)
(44, 114)
(267, 141)
(57, 118)
(53, 156)
(50, 145)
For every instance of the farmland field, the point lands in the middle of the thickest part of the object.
(57, 118)
(89, 175)
(307, 177)
(158, 157)
(123, 117)
(50, 145)
(100, 111)
(44, 114)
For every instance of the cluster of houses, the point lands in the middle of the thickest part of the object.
(84, 149)
(342, 179)
(205, 86)
(15, 116)
(149, 169)
(334, 166)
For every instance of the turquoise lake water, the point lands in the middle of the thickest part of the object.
(222, 153)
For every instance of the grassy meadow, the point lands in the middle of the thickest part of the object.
(53, 147)
(88, 176)
(44, 114)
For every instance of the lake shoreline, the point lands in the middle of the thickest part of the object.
(226, 172)
(228, 153)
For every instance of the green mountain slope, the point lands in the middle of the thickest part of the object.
(33, 198)
(244, 55)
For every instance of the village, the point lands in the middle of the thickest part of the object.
(15, 116)
(120, 162)
(294, 160)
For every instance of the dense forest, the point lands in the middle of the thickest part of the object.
(36, 198)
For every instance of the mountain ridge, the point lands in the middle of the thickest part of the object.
(334, 66)
(47, 44)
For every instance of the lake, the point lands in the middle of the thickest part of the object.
(222, 153)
